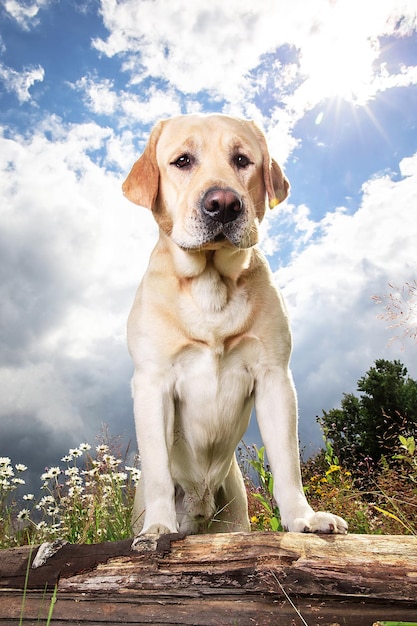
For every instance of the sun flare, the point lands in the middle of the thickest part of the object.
(338, 59)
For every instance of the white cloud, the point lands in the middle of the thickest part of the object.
(337, 56)
(27, 389)
(101, 97)
(159, 103)
(222, 49)
(72, 251)
(177, 48)
(213, 47)
(287, 222)
(21, 82)
(25, 12)
(329, 284)
(408, 166)
(406, 77)
(377, 240)
(69, 213)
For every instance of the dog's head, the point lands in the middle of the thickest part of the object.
(206, 180)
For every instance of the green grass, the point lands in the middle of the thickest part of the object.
(89, 497)
(388, 504)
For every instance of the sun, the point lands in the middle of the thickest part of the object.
(338, 60)
(340, 70)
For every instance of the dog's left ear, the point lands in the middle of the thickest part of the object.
(141, 185)
(276, 184)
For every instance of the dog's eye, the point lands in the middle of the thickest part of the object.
(241, 161)
(183, 161)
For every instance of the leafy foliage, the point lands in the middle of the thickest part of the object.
(367, 427)
(266, 516)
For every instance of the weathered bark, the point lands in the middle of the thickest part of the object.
(236, 578)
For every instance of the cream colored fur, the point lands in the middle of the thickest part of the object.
(209, 334)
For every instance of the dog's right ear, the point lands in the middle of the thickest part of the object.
(141, 185)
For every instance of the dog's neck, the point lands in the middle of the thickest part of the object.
(228, 262)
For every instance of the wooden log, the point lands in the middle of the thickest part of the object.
(236, 578)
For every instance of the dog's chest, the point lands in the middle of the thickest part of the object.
(213, 398)
(214, 310)
(214, 376)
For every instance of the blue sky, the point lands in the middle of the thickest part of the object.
(334, 85)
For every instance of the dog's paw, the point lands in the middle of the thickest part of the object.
(155, 543)
(145, 543)
(148, 538)
(320, 522)
(157, 529)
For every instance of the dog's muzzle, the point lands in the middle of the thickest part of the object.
(220, 215)
(222, 205)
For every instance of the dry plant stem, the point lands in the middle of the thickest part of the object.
(288, 598)
(400, 308)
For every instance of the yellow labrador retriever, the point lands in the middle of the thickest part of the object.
(209, 334)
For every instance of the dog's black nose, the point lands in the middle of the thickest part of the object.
(222, 205)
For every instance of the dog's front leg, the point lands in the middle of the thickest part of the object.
(154, 413)
(276, 411)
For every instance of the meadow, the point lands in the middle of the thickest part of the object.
(89, 497)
